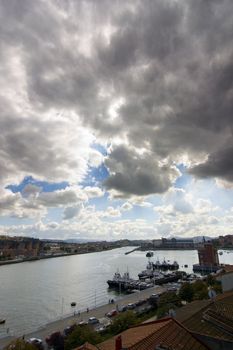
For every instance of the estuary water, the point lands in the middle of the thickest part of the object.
(35, 293)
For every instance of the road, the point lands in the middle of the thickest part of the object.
(98, 312)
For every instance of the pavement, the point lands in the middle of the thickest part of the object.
(98, 312)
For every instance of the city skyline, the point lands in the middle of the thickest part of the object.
(116, 119)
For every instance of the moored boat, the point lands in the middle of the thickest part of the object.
(149, 254)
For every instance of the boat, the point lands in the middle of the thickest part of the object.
(2, 321)
(174, 266)
(150, 272)
(157, 265)
(149, 254)
(119, 281)
(127, 284)
(165, 265)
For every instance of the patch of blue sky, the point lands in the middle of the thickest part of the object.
(139, 212)
(15, 221)
(219, 196)
(54, 215)
(100, 148)
(101, 203)
(154, 200)
(95, 176)
(183, 180)
(45, 186)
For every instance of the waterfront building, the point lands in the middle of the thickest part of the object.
(208, 258)
(157, 243)
(226, 241)
(208, 255)
(13, 247)
(178, 243)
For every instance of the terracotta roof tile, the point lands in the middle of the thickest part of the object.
(87, 346)
(146, 336)
(190, 309)
(215, 319)
(228, 268)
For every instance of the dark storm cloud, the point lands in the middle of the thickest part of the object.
(170, 61)
(137, 174)
(219, 164)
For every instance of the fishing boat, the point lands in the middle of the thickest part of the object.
(149, 254)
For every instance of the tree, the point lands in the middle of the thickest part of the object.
(167, 301)
(169, 298)
(123, 321)
(56, 340)
(210, 280)
(200, 290)
(186, 292)
(80, 335)
(20, 344)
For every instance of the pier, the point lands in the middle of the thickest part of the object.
(131, 251)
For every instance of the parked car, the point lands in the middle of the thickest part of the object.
(123, 308)
(153, 300)
(112, 313)
(101, 328)
(140, 302)
(38, 343)
(69, 329)
(82, 323)
(131, 306)
(93, 320)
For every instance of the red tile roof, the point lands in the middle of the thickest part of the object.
(214, 320)
(162, 332)
(87, 346)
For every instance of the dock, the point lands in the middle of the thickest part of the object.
(131, 251)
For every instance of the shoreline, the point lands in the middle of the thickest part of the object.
(51, 256)
(99, 312)
(36, 258)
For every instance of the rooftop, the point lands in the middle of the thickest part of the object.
(166, 332)
(215, 319)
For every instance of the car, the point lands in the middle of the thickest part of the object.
(101, 328)
(131, 306)
(140, 302)
(123, 308)
(69, 329)
(38, 343)
(93, 320)
(82, 323)
(112, 313)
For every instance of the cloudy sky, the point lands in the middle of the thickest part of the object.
(116, 118)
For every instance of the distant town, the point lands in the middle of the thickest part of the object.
(18, 249)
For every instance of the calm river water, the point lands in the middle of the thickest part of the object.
(35, 293)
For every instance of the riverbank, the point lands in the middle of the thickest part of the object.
(49, 256)
(98, 312)
(35, 258)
